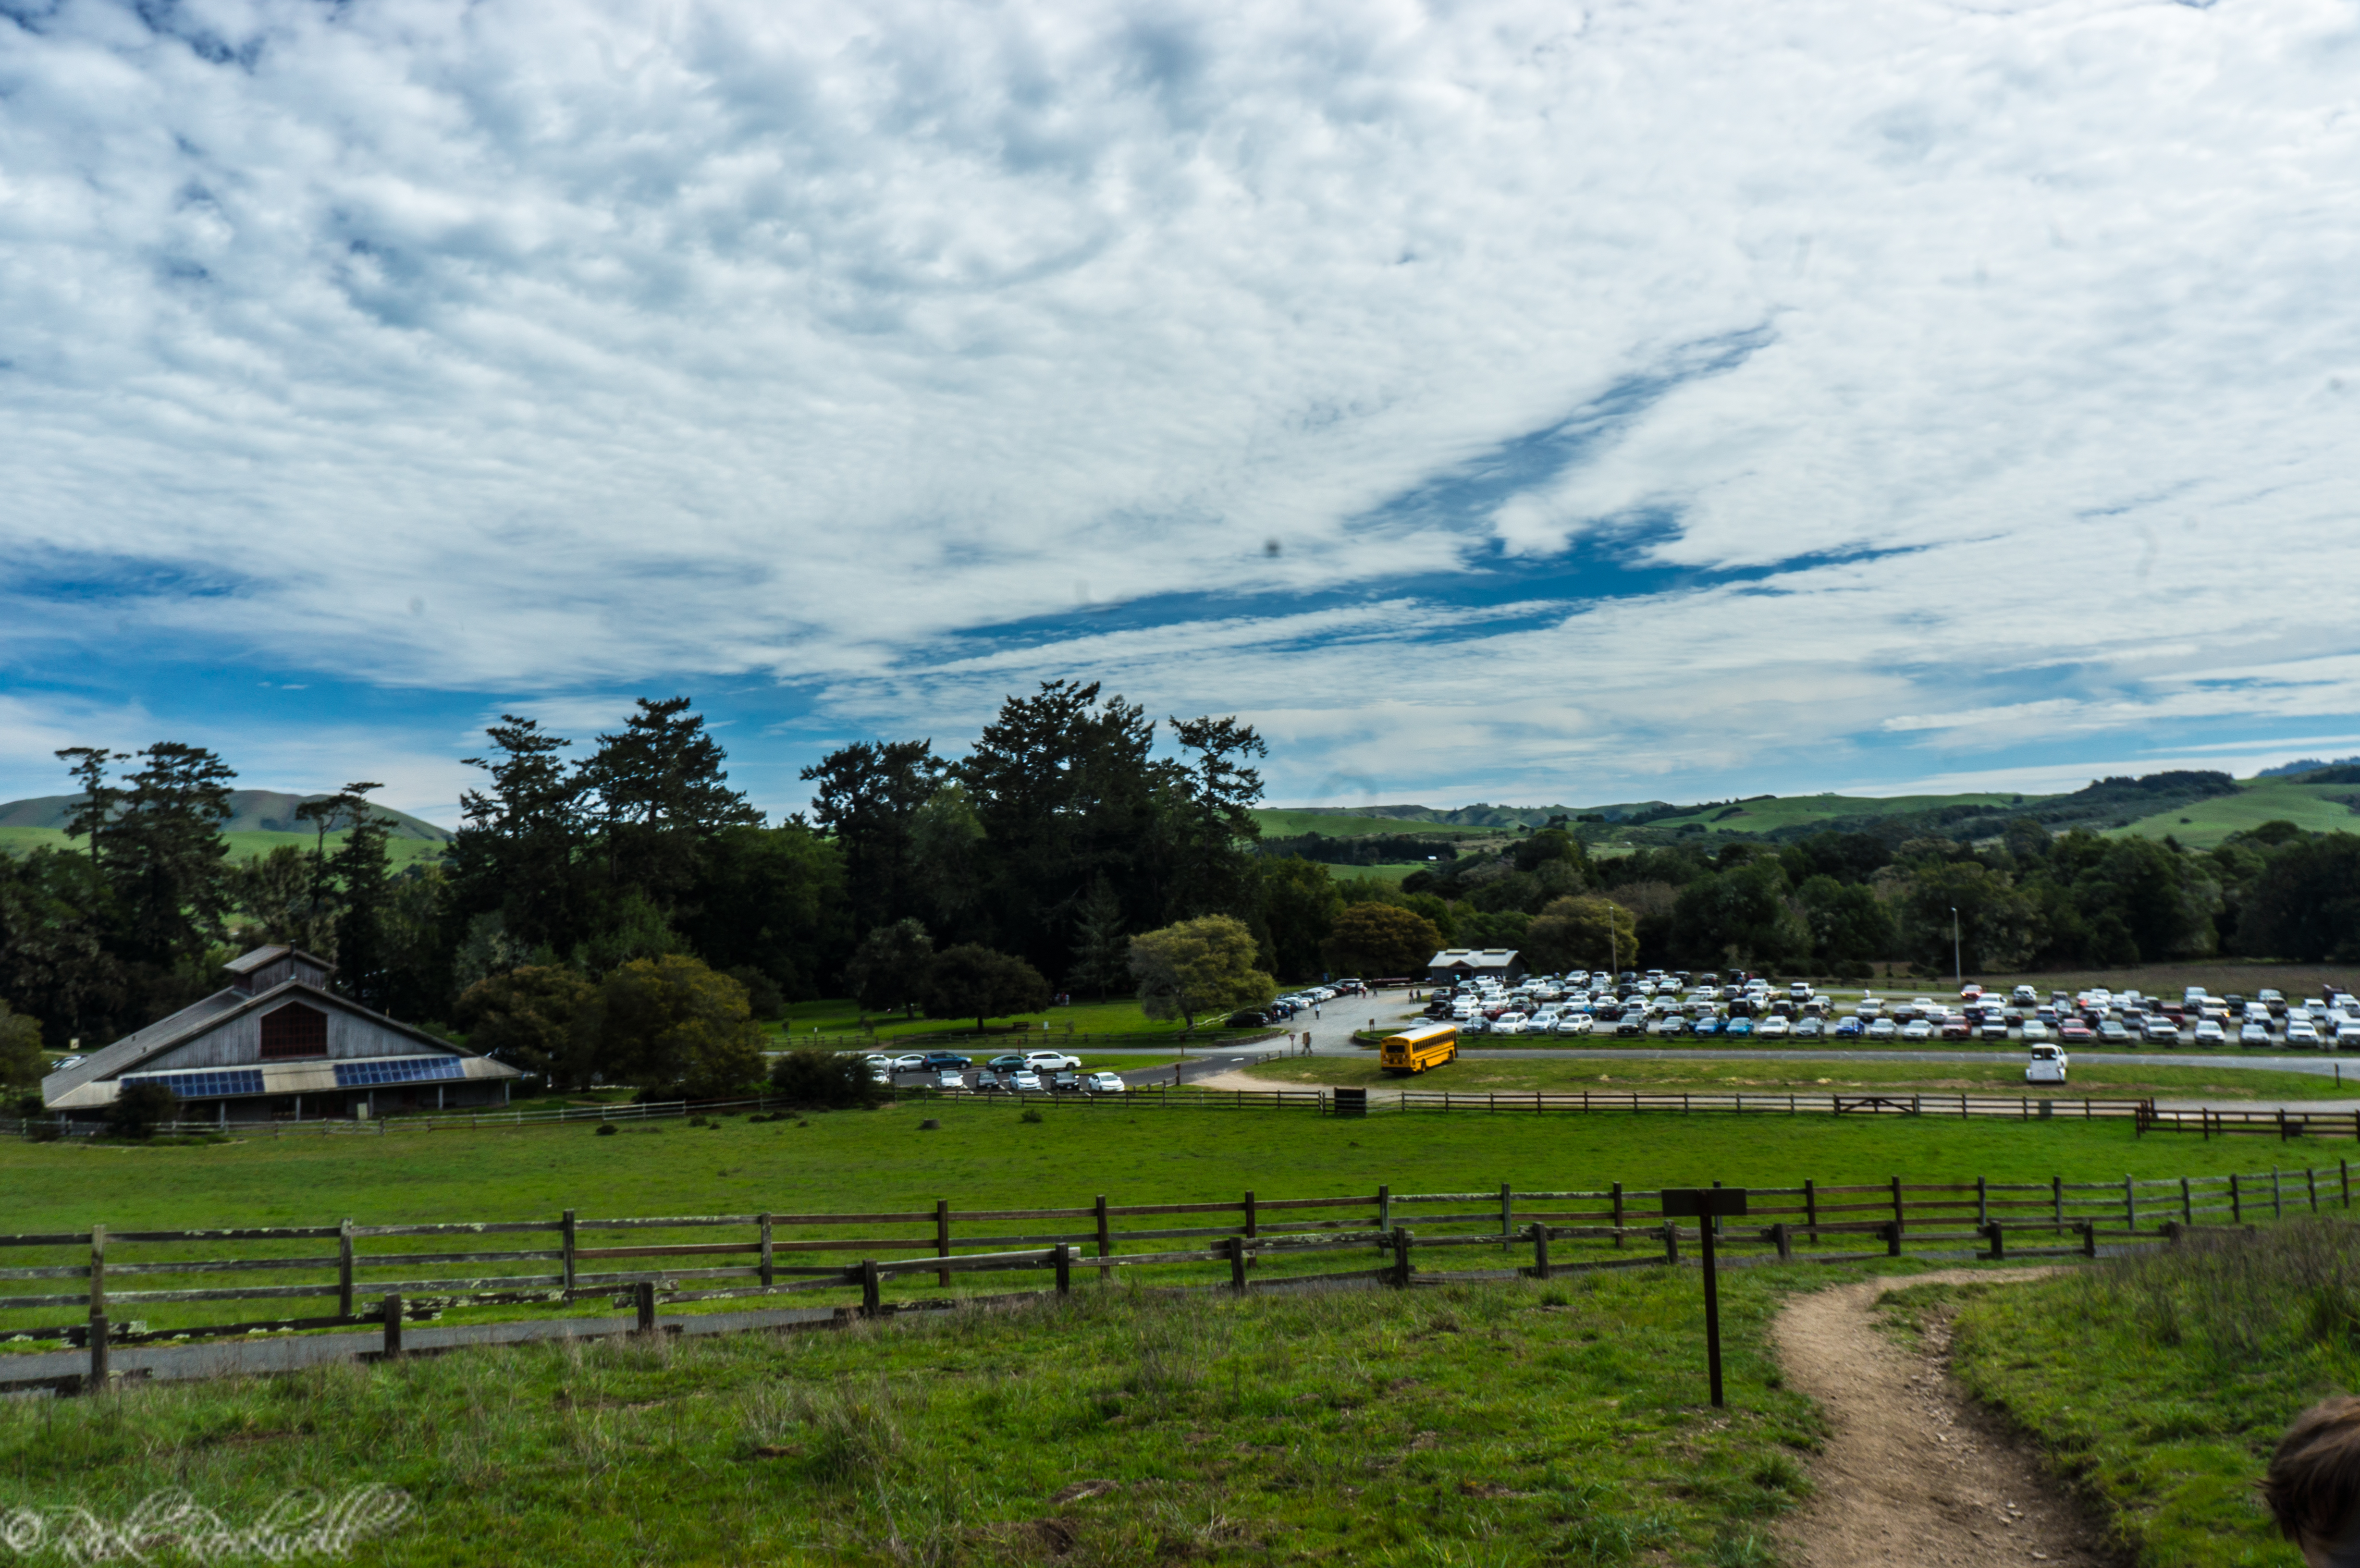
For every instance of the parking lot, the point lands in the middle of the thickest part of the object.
(1711, 1009)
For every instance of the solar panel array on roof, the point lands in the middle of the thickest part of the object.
(397, 1069)
(205, 1085)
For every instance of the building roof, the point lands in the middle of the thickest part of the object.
(262, 956)
(169, 1033)
(1472, 958)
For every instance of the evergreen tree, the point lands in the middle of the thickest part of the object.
(1101, 947)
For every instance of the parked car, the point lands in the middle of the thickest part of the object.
(1917, 1028)
(915, 1061)
(941, 1058)
(949, 1078)
(1672, 1025)
(2112, 1032)
(1849, 1028)
(2273, 1002)
(1006, 1062)
(1247, 1019)
(2300, 1032)
(2046, 1065)
(1105, 1083)
(1992, 1029)
(1631, 1023)
(1810, 1028)
(1737, 1028)
(2254, 1032)
(1574, 1023)
(2162, 1031)
(1024, 1081)
(2024, 994)
(1881, 1029)
(1051, 1060)
(1774, 1028)
(2211, 1033)
(1065, 1082)
(1708, 1025)
(1509, 1023)
(2035, 1030)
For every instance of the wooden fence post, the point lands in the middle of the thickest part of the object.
(98, 1333)
(1783, 1235)
(1892, 1238)
(566, 1245)
(1671, 1242)
(1983, 1203)
(1106, 1240)
(391, 1308)
(1811, 1207)
(1507, 1214)
(1618, 1214)
(2130, 1205)
(1249, 1210)
(345, 1269)
(645, 1299)
(2056, 1195)
(1384, 1208)
(1400, 1258)
(2187, 1203)
(1237, 1249)
(2345, 1167)
(1540, 1251)
(2090, 1238)
(2310, 1179)
(1896, 1200)
(770, 1255)
(942, 1237)
(1065, 1262)
(872, 1298)
(2236, 1202)
(97, 1270)
(1998, 1240)
(2278, 1194)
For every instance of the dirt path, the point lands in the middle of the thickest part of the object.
(1914, 1473)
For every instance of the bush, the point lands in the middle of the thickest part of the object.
(140, 1108)
(820, 1079)
(605, 1129)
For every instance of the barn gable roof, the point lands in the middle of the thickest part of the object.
(200, 1018)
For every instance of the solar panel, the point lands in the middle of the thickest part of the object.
(397, 1069)
(205, 1085)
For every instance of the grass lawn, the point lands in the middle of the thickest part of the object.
(242, 846)
(2321, 808)
(841, 1016)
(2159, 1384)
(1487, 1423)
(2003, 1076)
(1281, 822)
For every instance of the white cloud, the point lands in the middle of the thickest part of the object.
(531, 347)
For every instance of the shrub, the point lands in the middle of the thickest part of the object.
(822, 1079)
(139, 1108)
(605, 1129)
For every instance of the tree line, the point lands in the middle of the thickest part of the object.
(617, 910)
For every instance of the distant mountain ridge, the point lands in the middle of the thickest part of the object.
(251, 811)
(2304, 764)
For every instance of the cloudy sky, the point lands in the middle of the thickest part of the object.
(1521, 401)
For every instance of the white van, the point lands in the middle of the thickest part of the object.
(2047, 1066)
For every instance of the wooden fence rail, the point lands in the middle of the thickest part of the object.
(374, 1273)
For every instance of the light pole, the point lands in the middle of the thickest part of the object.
(1957, 970)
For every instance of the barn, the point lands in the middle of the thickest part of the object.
(275, 1042)
(1456, 963)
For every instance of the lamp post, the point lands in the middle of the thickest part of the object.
(1957, 970)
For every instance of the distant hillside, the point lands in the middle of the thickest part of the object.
(2303, 765)
(252, 811)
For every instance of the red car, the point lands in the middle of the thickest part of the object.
(2075, 1032)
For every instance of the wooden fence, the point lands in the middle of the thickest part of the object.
(2142, 1115)
(349, 1274)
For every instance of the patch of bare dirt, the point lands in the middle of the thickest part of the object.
(1915, 1472)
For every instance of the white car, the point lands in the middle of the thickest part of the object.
(2255, 1032)
(915, 1061)
(1051, 1062)
(2046, 1065)
(2301, 1031)
(1774, 1028)
(2211, 1033)
(1917, 1028)
(1024, 1081)
(2034, 1030)
(1880, 1028)
(1105, 1083)
(1509, 1023)
(950, 1078)
(1575, 1023)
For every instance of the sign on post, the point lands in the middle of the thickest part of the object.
(1705, 1204)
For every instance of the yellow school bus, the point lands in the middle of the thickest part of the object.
(1415, 1049)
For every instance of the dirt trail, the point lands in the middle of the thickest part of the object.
(1914, 1473)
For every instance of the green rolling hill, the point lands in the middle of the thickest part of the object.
(261, 820)
(2321, 808)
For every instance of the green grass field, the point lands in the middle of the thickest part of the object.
(840, 1016)
(1502, 1423)
(1284, 824)
(1789, 811)
(2100, 1081)
(242, 846)
(2257, 801)
(2159, 1384)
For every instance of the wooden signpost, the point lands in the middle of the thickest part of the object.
(1705, 1204)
